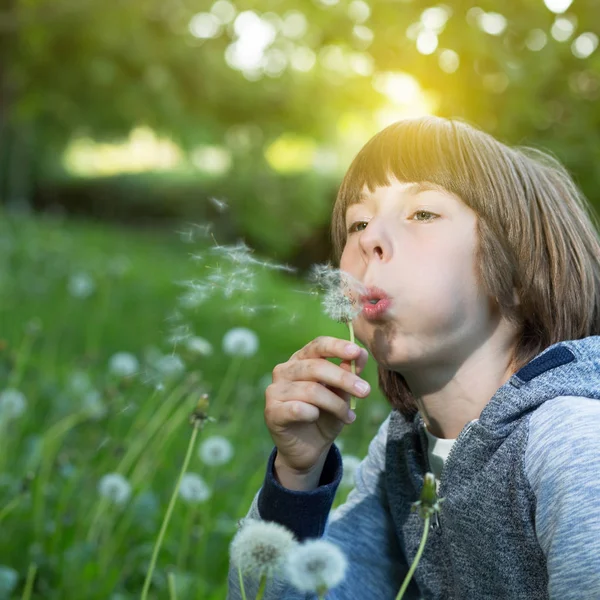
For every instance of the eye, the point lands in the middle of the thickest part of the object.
(424, 212)
(353, 229)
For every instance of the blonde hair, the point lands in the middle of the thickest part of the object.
(537, 232)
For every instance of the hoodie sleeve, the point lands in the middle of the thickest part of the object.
(362, 528)
(562, 463)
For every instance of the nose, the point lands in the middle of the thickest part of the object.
(373, 242)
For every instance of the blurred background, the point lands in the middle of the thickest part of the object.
(167, 174)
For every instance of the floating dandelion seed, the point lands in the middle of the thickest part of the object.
(123, 364)
(199, 345)
(261, 547)
(316, 566)
(219, 204)
(193, 489)
(215, 451)
(115, 487)
(240, 341)
(12, 404)
(350, 464)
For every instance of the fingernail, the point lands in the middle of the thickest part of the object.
(362, 387)
(351, 349)
(351, 416)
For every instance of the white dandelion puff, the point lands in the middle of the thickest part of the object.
(123, 364)
(12, 404)
(215, 450)
(170, 365)
(316, 566)
(342, 292)
(92, 404)
(349, 466)
(79, 382)
(193, 489)
(115, 487)
(81, 285)
(240, 341)
(261, 547)
(8, 581)
(199, 345)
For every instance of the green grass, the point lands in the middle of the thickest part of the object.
(53, 455)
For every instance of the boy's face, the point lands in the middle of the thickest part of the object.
(418, 245)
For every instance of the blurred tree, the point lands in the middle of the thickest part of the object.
(241, 74)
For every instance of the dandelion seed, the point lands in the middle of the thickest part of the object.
(193, 489)
(215, 450)
(219, 204)
(115, 487)
(349, 465)
(240, 341)
(8, 581)
(316, 566)
(261, 547)
(12, 404)
(81, 285)
(123, 364)
(199, 345)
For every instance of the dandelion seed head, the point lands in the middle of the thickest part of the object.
(123, 364)
(194, 489)
(215, 450)
(342, 292)
(81, 285)
(261, 547)
(12, 404)
(92, 404)
(240, 341)
(8, 581)
(316, 566)
(115, 487)
(349, 465)
(169, 365)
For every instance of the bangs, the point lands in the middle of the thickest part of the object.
(412, 151)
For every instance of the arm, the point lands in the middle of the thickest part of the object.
(362, 527)
(562, 463)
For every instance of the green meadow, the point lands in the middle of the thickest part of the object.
(99, 377)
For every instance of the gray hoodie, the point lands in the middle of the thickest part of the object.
(521, 515)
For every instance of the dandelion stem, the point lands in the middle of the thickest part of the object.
(416, 561)
(29, 582)
(172, 588)
(261, 587)
(242, 589)
(352, 364)
(167, 518)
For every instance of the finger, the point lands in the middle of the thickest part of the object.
(323, 371)
(290, 395)
(360, 362)
(327, 347)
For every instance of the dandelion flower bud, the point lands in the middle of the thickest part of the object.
(261, 547)
(316, 566)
